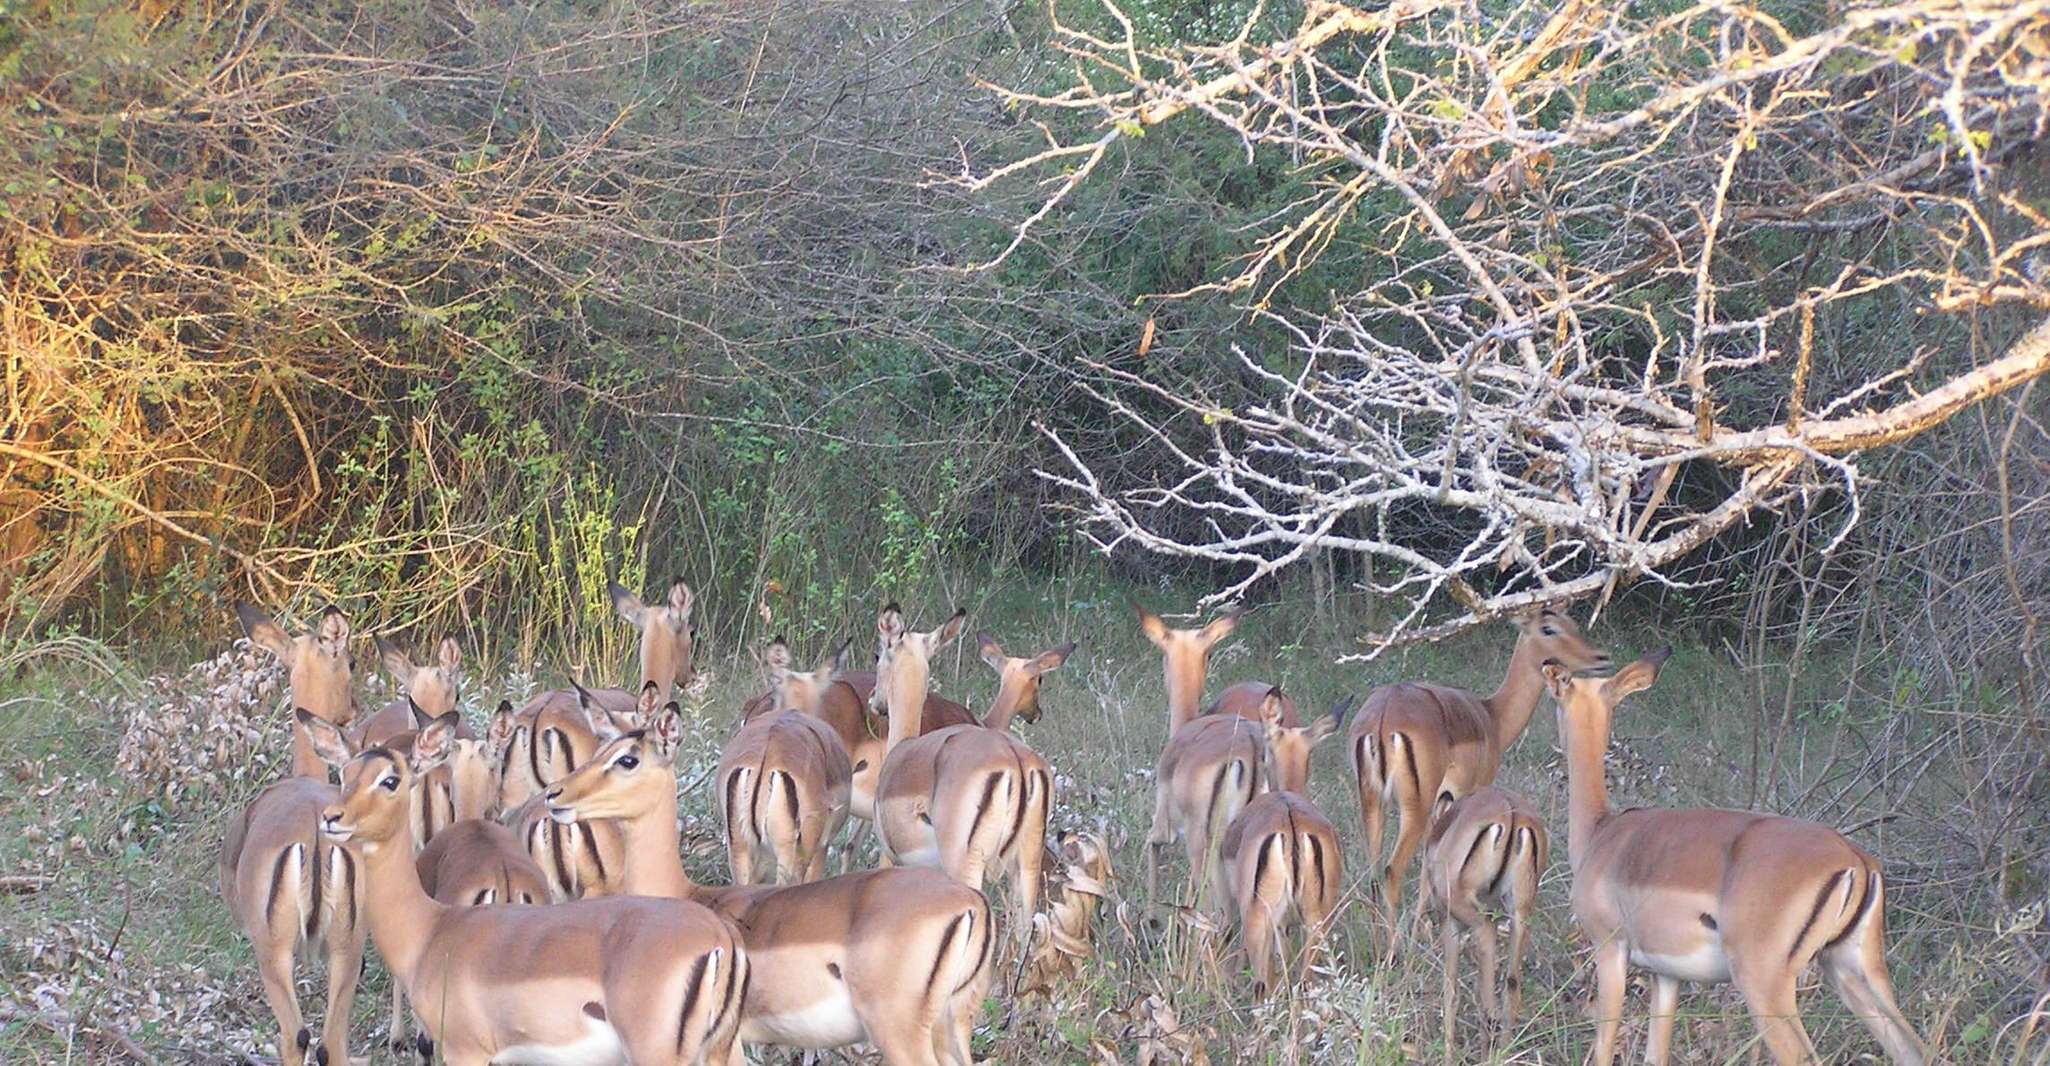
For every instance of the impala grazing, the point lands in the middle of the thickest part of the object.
(969, 800)
(1484, 856)
(1715, 895)
(898, 958)
(1415, 742)
(634, 979)
(1280, 859)
(783, 784)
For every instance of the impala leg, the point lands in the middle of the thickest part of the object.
(1768, 991)
(344, 968)
(1159, 836)
(1856, 968)
(788, 849)
(1665, 1001)
(1409, 836)
(395, 1033)
(1512, 982)
(1611, 976)
(1450, 989)
(274, 965)
(1026, 877)
(1484, 947)
(740, 856)
(1259, 933)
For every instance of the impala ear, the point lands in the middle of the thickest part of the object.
(839, 660)
(1558, 679)
(627, 604)
(451, 655)
(334, 633)
(583, 696)
(1637, 676)
(420, 717)
(1270, 707)
(1151, 625)
(394, 658)
(665, 730)
(329, 742)
(776, 661)
(991, 652)
(263, 632)
(1326, 726)
(651, 698)
(952, 628)
(680, 599)
(435, 741)
(1051, 659)
(890, 625)
(503, 724)
(1220, 628)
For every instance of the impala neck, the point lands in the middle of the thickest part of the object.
(654, 855)
(305, 761)
(1516, 698)
(1586, 740)
(1014, 693)
(905, 698)
(1184, 687)
(403, 914)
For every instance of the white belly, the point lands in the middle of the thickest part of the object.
(1707, 964)
(599, 1046)
(829, 1023)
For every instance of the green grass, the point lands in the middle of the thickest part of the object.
(127, 933)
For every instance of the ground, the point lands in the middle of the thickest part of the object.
(115, 782)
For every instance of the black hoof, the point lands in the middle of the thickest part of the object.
(424, 1045)
(305, 1037)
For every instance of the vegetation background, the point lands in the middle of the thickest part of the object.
(452, 312)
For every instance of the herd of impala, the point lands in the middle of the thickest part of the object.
(527, 892)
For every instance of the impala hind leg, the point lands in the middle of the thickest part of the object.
(1159, 837)
(1856, 968)
(1768, 991)
(1450, 986)
(395, 1033)
(274, 966)
(344, 968)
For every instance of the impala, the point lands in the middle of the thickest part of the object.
(1484, 856)
(1017, 681)
(899, 958)
(555, 729)
(1715, 895)
(642, 980)
(288, 889)
(969, 800)
(317, 669)
(1185, 656)
(783, 784)
(1280, 857)
(1415, 742)
(585, 860)
(432, 687)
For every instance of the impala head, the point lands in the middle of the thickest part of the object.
(1288, 749)
(904, 656)
(317, 661)
(606, 723)
(431, 685)
(474, 767)
(1186, 655)
(796, 689)
(1588, 703)
(1554, 637)
(666, 633)
(377, 782)
(1018, 679)
(630, 777)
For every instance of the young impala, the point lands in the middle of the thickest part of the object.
(1715, 895)
(899, 958)
(1280, 858)
(635, 979)
(969, 800)
(1484, 856)
(1415, 742)
(783, 783)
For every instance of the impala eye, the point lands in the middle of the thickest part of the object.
(390, 783)
(627, 761)
(1549, 630)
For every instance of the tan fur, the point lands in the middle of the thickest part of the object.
(1414, 742)
(1484, 856)
(662, 978)
(432, 687)
(318, 666)
(290, 891)
(1185, 658)
(1280, 859)
(1713, 895)
(969, 800)
(782, 784)
(907, 952)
